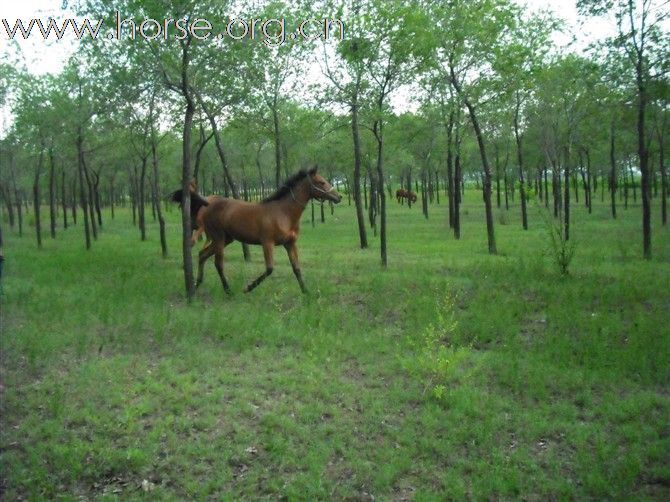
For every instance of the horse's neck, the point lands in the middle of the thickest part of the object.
(297, 201)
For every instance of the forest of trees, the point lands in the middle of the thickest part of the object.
(489, 101)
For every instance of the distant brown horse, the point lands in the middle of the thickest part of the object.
(274, 221)
(402, 193)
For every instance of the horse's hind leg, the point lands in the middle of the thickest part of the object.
(218, 262)
(203, 256)
(267, 253)
(292, 250)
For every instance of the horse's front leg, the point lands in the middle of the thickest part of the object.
(292, 250)
(267, 253)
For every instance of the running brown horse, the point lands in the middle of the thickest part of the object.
(274, 221)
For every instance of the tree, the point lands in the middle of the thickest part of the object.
(641, 38)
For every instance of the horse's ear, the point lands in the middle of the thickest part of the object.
(313, 170)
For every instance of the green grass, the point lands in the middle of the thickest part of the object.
(451, 375)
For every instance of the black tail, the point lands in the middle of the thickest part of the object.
(197, 201)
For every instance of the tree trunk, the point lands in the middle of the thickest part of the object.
(519, 153)
(365, 191)
(156, 192)
(487, 177)
(664, 175)
(643, 155)
(141, 202)
(224, 164)
(424, 194)
(275, 123)
(82, 192)
(6, 194)
(52, 193)
(73, 206)
(36, 198)
(186, 92)
(566, 204)
(111, 196)
(379, 133)
(457, 194)
(91, 198)
(613, 172)
(96, 193)
(357, 174)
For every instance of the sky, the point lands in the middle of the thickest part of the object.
(48, 57)
(40, 56)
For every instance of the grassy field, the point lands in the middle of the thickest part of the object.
(451, 375)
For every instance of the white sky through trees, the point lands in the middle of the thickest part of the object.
(49, 56)
(40, 56)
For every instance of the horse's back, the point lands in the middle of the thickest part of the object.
(234, 219)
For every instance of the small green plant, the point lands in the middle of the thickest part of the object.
(562, 250)
(435, 354)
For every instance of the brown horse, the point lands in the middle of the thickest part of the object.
(274, 221)
(402, 193)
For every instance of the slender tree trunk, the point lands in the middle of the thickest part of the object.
(643, 155)
(566, 204)
(260, 171)
(19, 210)
(82, 190)
(519, 154)
(141, 202)
(73, 191)
(17, 193)
(275, 123)
(379, 133)
(457, 193)
(6, 195)
(91, 198)
(156, 193)
(365, 191)
(52, 193)
(186, 92)
(96, 193)
(487, 177)
(409, 187)
(224, 164)
(613, 172)
(36, 198)
(357, 174)
(198, 154)
(424, 194)
(664, 176)
(111, 196)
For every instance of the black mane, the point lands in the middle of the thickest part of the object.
(288, 185)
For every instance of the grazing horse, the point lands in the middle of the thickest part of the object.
(402, 193)
(274, 221)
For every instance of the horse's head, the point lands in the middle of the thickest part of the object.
(320, 189)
